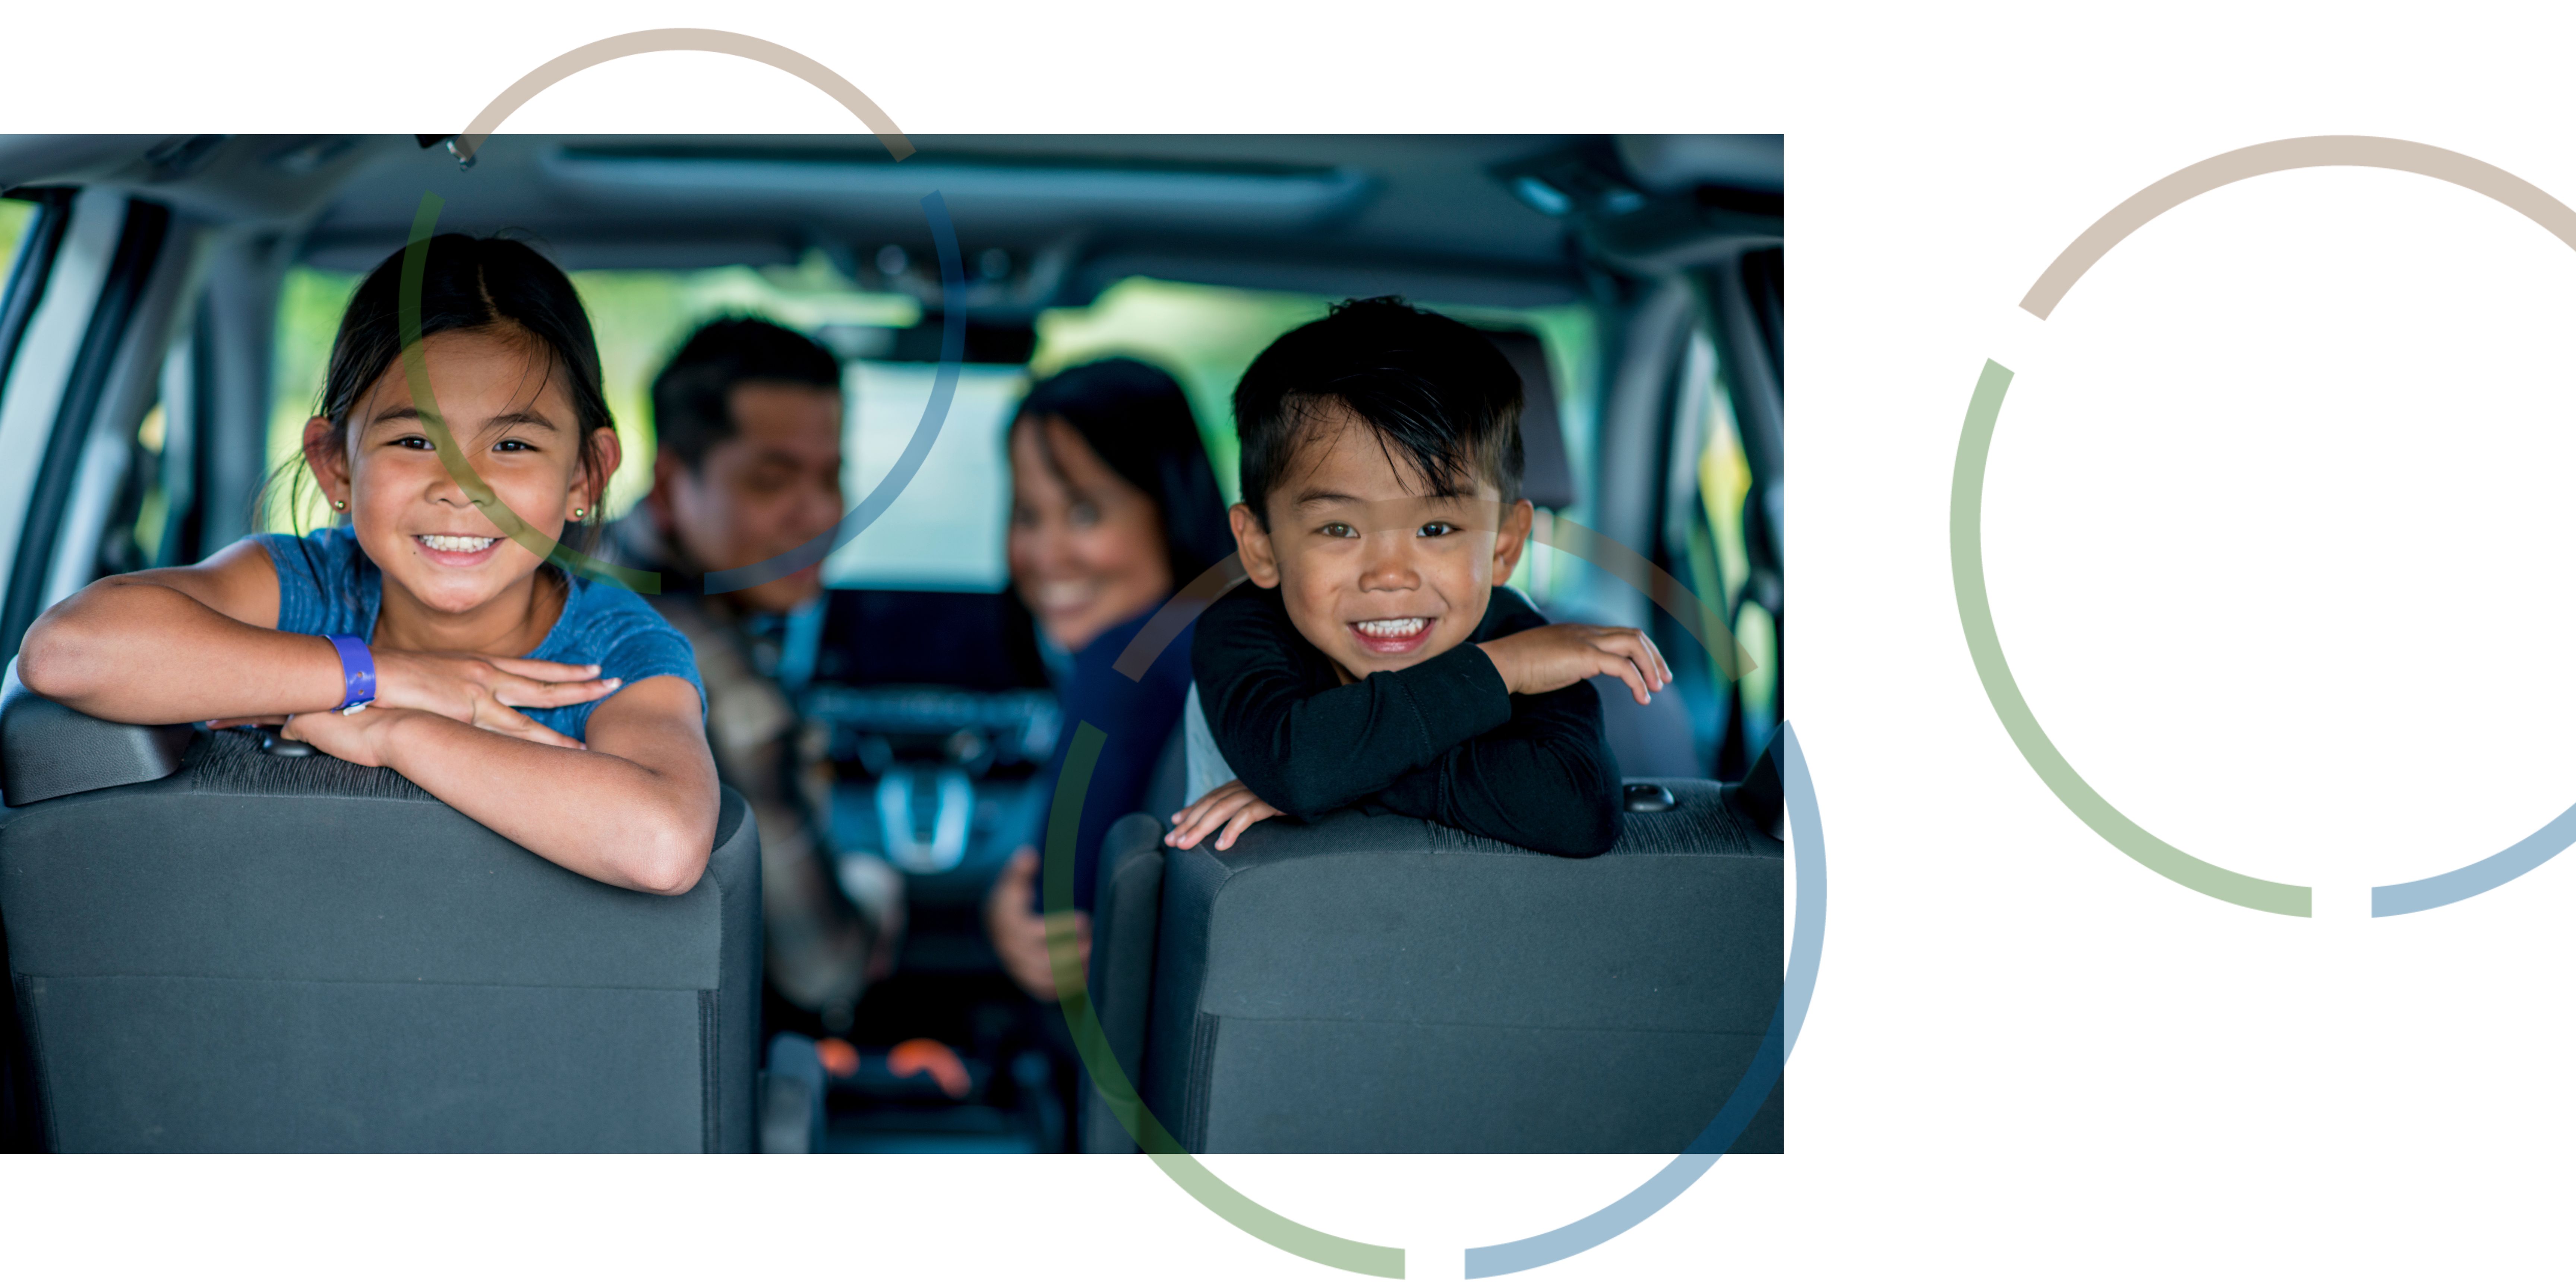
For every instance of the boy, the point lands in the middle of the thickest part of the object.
(1370, 662)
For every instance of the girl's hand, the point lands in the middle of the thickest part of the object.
(1232, 807)
(361, 738)
(330, 731)
(1547, 658)
(478, 689)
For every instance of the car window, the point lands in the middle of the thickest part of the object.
(1720, 565)
(14, 217)
(309, 304)
(947, 531)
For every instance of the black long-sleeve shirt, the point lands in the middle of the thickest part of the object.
(1442, 739)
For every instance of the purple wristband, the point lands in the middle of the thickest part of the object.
(357, 672)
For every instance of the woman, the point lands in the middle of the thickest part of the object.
(1114, 509)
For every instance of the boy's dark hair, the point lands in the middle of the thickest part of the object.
(488, 284)
(1138, 421)
(692, 398)
(1443, 399)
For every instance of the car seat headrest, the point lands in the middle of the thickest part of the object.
(49, 750)
(1546, 479)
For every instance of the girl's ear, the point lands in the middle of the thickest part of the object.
(1253, 542)
(590, 486)
(326, 453)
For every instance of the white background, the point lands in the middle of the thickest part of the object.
(2280, 550)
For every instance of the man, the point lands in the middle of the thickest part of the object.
(747, 421)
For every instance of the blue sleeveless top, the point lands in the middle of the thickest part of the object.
(327, 586)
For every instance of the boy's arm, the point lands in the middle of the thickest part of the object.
(1305, 753)
(1546, 781)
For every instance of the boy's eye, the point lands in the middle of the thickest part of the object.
(513, 445)
(1436, 528)
(1083, 514)
(417, 442)
(1338, 530)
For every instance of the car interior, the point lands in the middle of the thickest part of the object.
(213, 944)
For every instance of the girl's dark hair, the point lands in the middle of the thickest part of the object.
(1445, 401)
(1137, 420)
(488, 284)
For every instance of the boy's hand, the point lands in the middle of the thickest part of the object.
(1547, 658)
(1232, 807)
(1020, 936)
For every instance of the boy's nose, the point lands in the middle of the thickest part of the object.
(1388, 568)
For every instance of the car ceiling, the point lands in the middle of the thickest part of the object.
(1433, 217)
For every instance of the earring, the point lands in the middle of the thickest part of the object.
(576, 512)
(339, 505)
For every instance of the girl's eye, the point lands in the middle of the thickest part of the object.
(1338, 530)
(1436, 528)
(513, 444)
(416, 442)
(1083, 514)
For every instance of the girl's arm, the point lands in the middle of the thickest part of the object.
(176, 645)
(637, 809)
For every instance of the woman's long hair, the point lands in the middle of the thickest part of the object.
(1136, 419)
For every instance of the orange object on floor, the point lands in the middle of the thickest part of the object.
(840, 1059)
(923, 1055)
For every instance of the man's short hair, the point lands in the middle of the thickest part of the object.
(692, 398)
(1444, 400)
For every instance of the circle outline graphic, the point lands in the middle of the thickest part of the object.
(1967, 538)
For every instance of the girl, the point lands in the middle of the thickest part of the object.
(608, 772)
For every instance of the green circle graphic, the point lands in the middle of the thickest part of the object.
(1977, 618)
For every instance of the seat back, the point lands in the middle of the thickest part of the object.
(1382, 984)
(269, 953)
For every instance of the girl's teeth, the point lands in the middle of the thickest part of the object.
(457, 545)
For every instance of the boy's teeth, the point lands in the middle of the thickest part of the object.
(1391, 627)
(457, 545)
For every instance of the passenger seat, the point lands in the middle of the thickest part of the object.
(1366, 984)
(218, 948)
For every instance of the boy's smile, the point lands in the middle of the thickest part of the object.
(1374, 571)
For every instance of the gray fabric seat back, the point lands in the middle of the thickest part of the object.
(1382, 984)
(267, 953)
